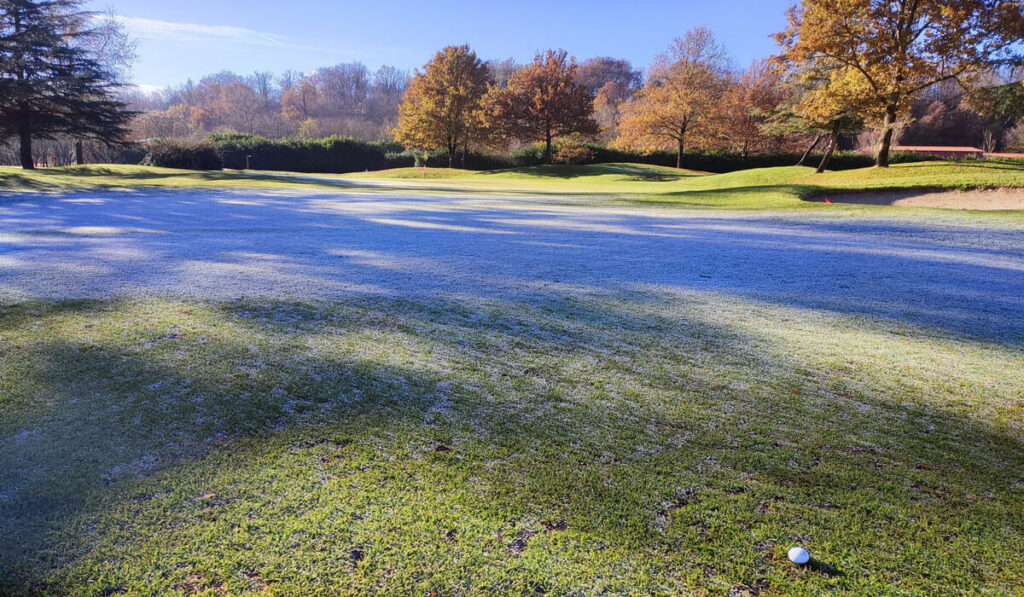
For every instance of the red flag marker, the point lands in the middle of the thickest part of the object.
(827, 200)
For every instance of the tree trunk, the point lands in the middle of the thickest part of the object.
(682, 146)
(833, 141)
(882, 159)
(547, 147)
(803, 158)
(26, 148)
(451, 155)
(79, 153)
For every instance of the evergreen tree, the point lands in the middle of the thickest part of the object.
(50, 84)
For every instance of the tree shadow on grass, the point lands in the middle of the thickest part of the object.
(538, 434)
(738, 197)
(948, 278)
(995, 164)
(637, 173)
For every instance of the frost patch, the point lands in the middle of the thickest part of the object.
(442, 405)
(138, 467)
(24, 435)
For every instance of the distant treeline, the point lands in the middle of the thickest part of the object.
(345, 154)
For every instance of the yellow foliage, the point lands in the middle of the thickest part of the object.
(876, 56)
(441, 106)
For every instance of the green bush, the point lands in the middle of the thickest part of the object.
(714, 161)
(471, 161)
(333, 154)
(344, 154)
(337, 155)
(183, 153)
(129, 153)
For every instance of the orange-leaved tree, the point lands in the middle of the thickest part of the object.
(746, 106)
(542, 102)
(681, 100)
(301, 101)
(441, 106)
(886, 52)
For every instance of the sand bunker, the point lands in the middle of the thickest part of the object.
(996, 199)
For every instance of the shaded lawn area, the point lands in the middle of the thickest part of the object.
(624, 443)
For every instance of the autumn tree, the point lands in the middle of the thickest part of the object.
(595, 73)
(175, 121)
(501, 70)
(344, 89)
(542, 102)
(301, 101)
(811, 107)
(681, 98)
(825, 110)
(611, 82)
(239, 107)
(886, 52)
(441, 106)
(389, 84)
(608, 103)
(746, 106)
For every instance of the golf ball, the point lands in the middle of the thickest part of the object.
(799, 555)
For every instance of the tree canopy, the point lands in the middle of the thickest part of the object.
(885, 53)
(52, 81)
(681, 98)
(441, 107)
(543, 101)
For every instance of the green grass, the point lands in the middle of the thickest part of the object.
(763, 188)
(766, 188)
(666, 445)
(123, 177)
(602, 444)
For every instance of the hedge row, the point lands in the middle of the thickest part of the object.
(183, 153)
(341, 154)
(717, 162)
(334, 154)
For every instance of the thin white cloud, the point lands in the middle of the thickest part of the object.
(145, 88)
(151, 28)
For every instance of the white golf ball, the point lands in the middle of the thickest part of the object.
(799, 555)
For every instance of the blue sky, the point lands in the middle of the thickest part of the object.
(183, 39)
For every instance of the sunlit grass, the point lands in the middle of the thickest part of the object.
(657, 443)
(764, 188)
(649, 442)
(118, 176)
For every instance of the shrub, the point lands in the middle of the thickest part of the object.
(122, 153)
(344, 154)
(711, 161)
(183, 153)
(532, 155)
(471, 161)
(333, 154)
(573, 153)
(1015, 138)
